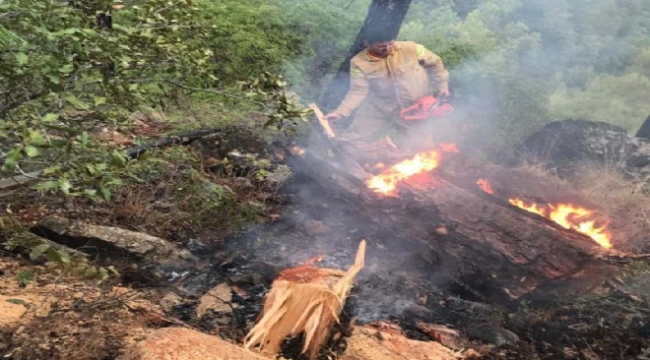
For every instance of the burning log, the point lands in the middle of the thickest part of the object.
(304, 300)
(492, 249)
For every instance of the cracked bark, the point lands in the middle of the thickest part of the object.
(492, 249)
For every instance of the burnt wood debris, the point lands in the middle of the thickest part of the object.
(497, 252)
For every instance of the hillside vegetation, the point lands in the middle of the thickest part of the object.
(76, 99)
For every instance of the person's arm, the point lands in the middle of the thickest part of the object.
(434, 66)
(357, 93)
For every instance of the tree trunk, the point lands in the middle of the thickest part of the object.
(495, 251)
(387, 15)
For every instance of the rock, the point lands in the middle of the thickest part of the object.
(157, 257)
(492, 334)
(218, 299)
(185, 344)
(169, 301)
(644, 130)
(368, 343)
(444, 335)
(12, 309)
(561, 144)
(315, 227)
(30, 240)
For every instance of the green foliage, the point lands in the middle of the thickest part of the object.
(514, 64)
(62, 78)
(620, 100)
(247, 38)
(327, 30)
(24, 277)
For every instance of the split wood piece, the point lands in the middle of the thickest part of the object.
(304, 300)
(493, 250)
(369, 343)
(323, 122)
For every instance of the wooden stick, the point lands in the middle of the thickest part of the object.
(303, 300)
(323, 122)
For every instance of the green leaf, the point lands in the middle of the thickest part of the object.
(66, 69)
(118, 158)
(39, 250)
(49, 117)
(91, 272)
(99, 100)
(47, 185)
(12, 159)
(113, 181)
(54, 256)
(105, 192)
(51, 169)
(16, 301)
(113, 270)
(34, 136)
(103, 273)
(31, 151)
(65, 186)
(90, 192)
(64, 256)
(91, 169)
(21, 58)
(84, 138)
(25, 277)
(54, 78)
(76, 102)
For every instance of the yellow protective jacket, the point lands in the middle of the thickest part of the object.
(395, 81)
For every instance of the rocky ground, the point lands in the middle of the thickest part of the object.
(151, 277)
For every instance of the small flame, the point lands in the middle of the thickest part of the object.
(297, 150)
(386, 183)
(570, 217)
(566, 215)
(485, 186)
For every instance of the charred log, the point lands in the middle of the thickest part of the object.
(494, 251)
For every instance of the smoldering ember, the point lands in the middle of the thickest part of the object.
(324, 180)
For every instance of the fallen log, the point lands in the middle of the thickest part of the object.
(493, 250)
(303, 300)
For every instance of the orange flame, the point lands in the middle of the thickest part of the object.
(570, 217)
(566, 215)
(386, 183)
(485, 186)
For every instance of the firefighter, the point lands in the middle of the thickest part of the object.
(385, 77)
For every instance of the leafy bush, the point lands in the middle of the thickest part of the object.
(62, 78)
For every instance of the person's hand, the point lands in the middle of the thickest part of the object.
(332, 116)
(443, 93)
